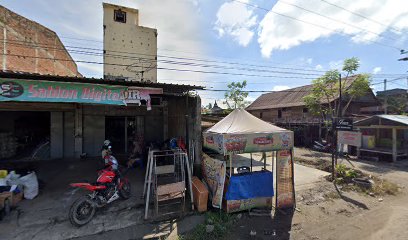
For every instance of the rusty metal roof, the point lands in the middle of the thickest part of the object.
(287, 98)
(167, 87)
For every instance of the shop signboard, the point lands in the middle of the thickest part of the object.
(284, 180)
(349, 138)
(345, 124)
(21, 90)
(215, 172)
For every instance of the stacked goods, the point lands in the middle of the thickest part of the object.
(8, 145)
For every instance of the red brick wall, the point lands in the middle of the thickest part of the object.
(30, 47)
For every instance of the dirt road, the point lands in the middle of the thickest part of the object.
(326, 213)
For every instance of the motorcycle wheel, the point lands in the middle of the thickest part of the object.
(81, 211)
(124, 191)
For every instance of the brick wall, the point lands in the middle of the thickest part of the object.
(27, 46)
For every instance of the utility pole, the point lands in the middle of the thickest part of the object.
(335, 150)
(385, 97)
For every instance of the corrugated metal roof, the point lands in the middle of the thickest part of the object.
(389, 120)
(167, 87)
(396, 118)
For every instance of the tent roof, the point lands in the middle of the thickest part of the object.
(240, 121)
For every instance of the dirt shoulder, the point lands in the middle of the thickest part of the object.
(329, 212)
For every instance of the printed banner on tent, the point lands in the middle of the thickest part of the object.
(215, 172)
(284, 180)
(258, 142)
(213, 142)
(49, 91)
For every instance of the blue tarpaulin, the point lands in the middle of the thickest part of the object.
(250, 185)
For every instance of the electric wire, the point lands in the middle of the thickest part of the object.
(336, 20)
(360, 15)
(313, 24)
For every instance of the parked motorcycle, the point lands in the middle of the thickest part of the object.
(109, 186)
(322, 146)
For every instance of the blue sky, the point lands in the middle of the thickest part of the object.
(234, 32)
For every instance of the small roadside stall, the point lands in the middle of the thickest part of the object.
(384, 137)
(243, 189)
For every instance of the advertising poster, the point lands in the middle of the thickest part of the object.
(349, 138)
(258, 142)
(284, 180)
(213, 142)
(215, 172)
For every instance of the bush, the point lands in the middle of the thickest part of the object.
(345, 174)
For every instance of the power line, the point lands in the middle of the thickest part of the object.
(185, 63)
(313, 24)
(362, 16)
(163, 56)
(161, 68)
(336, 20)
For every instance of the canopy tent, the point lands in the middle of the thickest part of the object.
(241, 132)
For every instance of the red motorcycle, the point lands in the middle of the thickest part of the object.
(109, 186)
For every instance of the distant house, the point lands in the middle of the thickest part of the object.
(396, 101)
(287, 109)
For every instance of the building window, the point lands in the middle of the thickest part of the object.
(119, 16)
(305, 110)
(260, 114)
(279, 113)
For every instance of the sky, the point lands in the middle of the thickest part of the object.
(273, 45)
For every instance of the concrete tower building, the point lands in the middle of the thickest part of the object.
(130, 50)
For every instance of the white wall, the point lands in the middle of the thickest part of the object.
(128, 40)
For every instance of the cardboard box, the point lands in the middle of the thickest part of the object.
(200, 195)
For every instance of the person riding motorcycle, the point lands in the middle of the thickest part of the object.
(109, 160)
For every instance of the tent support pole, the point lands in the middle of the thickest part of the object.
(264, 158)
(230, 158)
(293, 178)
(251, 161)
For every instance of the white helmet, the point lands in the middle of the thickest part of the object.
(106, 142)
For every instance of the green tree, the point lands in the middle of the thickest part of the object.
(397, 104)
(235, 96)
(325, 90)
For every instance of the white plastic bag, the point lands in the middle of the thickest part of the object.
(12, 178)
(30, 184)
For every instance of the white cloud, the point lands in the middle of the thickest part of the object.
(335, 64)
(377, 70)
(280, 88)
(309, 61)
(319, 67)
(236, 20)
(277, 32)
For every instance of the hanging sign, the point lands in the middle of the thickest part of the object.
(284, 180)
(345, 124)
